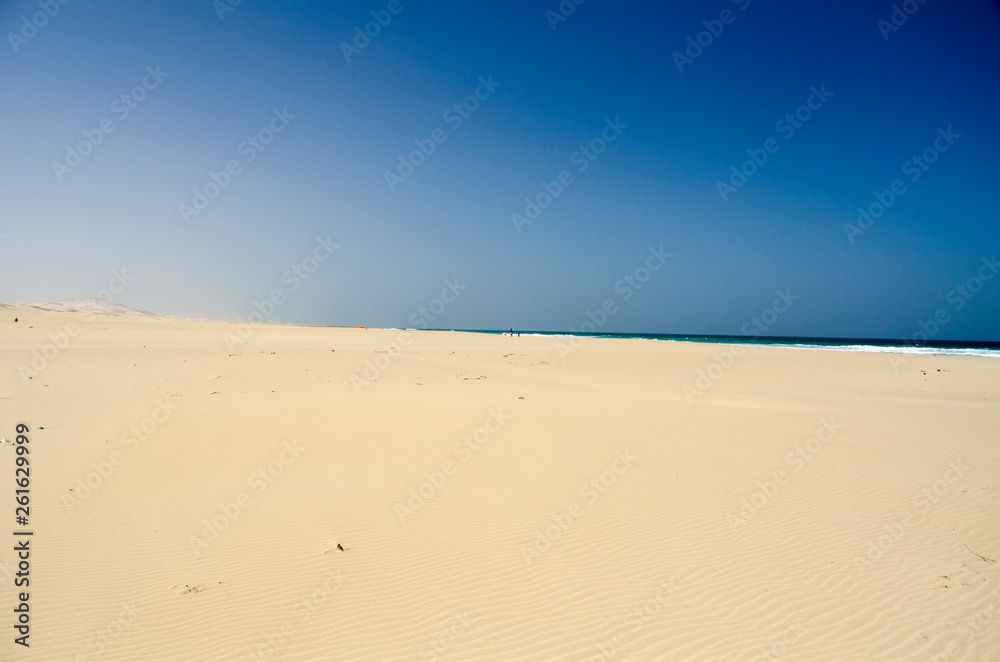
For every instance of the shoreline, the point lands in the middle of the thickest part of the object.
(984, 349)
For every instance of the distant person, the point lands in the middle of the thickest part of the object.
(512, 333)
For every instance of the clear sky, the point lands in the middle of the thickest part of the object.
(116, 118)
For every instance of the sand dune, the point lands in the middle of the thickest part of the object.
(496, 498)
(92, 305)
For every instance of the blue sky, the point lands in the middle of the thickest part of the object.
(223, 87)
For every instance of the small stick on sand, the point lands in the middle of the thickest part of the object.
(981, 556)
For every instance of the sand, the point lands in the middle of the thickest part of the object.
(495, 498)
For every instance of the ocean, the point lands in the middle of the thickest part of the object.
(938, 347)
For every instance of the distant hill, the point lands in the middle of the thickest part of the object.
(92, 305)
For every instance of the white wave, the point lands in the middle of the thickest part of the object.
(891, 349)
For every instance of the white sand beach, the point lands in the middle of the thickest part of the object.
(495, 498)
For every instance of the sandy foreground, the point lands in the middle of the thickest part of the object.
(496, 498)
